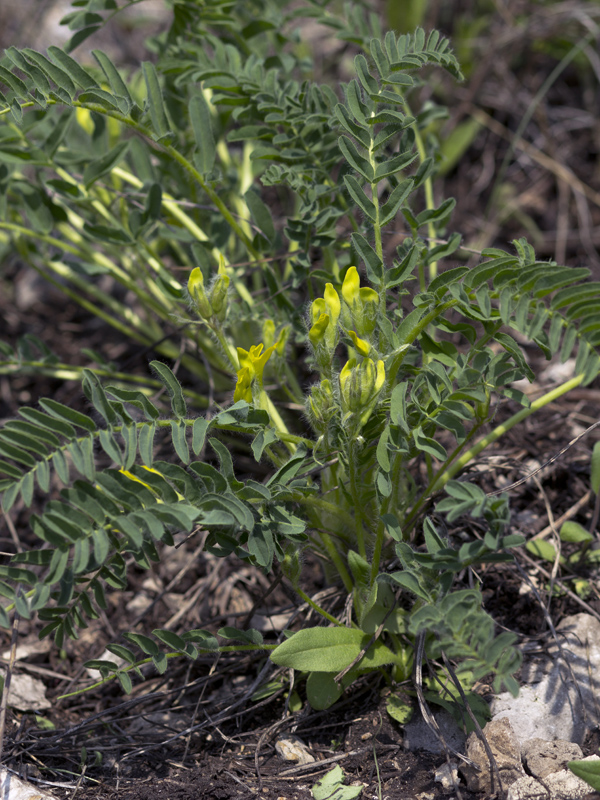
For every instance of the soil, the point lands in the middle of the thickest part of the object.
(198, 732)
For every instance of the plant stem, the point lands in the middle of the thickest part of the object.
(356, 499)
(376, 559)
(322, 505)
(428, 492)
(333, 553)
(317, 608)
(443, 478)
(429, 203)
(415, 333)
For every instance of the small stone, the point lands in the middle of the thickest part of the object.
(527, 788)
(543, 758)
(291, 748)
(506, 750)
(447, 775)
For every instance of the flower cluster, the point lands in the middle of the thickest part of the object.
(363, 376)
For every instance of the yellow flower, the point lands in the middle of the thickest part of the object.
(243, 387)
(361, 304)
(317, 333)
(252, 365)
(329, 305)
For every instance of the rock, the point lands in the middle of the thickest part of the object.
(559, 700)
(564, 785)
(26, 693)
(527, 788)
(543, 758)
(561, 785)
(506, 749)
(419, 736)
(13, 788)
(447, 775)
(291, 748)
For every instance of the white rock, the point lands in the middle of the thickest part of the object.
(447, 775)
(558, 700)
(291, 748)
(26, 693)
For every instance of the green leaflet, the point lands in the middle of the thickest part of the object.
(64, 413)
(200, 118)
(164, 374)
(115, 81)
(54, 72)
(75, 71)
(156, 105)
(359, 197)
(329, 650)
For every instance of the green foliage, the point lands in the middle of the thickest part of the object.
(331, 787)
(109, 178)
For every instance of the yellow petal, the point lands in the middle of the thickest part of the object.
(362, 347)
(332, 299)
(351, 286)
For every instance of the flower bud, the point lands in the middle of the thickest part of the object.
(268, 332)
(360, 385)
(291, 564)
(369, 300)
(218, 295)
(196, 290)
(281, 342)
(321, 405)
